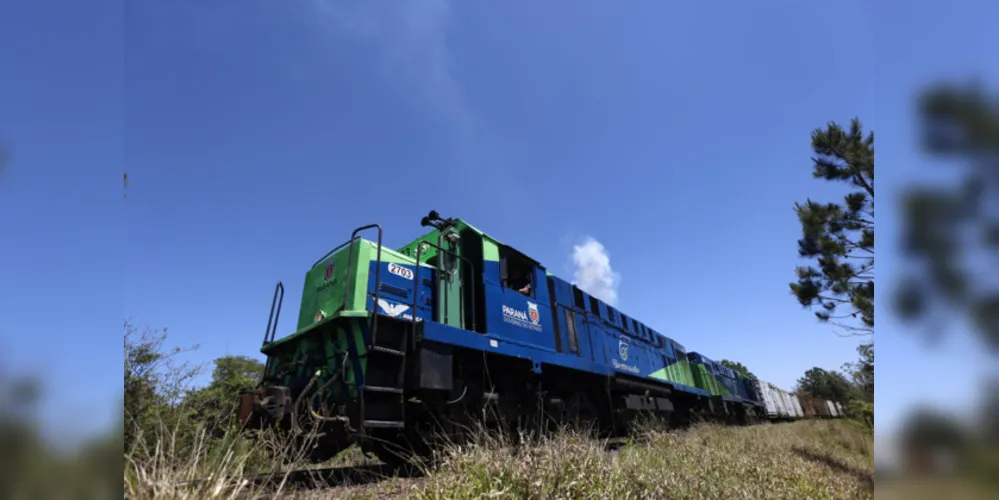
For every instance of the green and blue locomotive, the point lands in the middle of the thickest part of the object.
(394, 345)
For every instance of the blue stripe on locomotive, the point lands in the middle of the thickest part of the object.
(612, 345)
(601, 347)
(521, 326)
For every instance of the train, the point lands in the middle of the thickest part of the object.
(456, 327)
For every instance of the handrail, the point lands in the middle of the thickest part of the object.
(416, 279)
(332, 251)
(378, 265)
(374, 312)
(272, 319)
(350, 258)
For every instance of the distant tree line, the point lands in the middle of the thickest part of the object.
(159, 392)
(32, 466)
(738, 367)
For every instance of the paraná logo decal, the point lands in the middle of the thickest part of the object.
(532, 310)
(328, 279)
(521, 318)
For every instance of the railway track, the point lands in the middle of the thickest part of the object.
(336, 477)
(355, 475)
(333, 477)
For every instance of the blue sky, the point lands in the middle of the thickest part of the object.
(258, 134)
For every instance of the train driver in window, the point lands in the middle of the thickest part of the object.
(521, 282)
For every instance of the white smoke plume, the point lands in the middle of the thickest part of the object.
(593, 273)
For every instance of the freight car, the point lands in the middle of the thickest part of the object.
(392, 346)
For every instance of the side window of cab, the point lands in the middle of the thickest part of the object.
(517, 272)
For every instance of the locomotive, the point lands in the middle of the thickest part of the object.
(393, 346)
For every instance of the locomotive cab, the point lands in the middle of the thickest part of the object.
(344, 371)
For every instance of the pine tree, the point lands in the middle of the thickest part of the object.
(951, 234)
(839, 237)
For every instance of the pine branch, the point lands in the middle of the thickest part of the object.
(833, 299)
(857, 174)
(854, 331)
(840, 235)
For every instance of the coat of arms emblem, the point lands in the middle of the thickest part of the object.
(622, 347)
(532, 311)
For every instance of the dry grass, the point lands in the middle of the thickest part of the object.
(823, 459)
(800, 460)
(179, 463)
(163, 466)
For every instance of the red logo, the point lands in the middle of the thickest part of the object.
(329, 271)
(532, 311)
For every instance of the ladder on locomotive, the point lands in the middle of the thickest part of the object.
(381, 397)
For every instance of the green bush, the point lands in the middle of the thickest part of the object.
(862, 412)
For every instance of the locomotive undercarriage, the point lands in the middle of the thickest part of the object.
(447, 395)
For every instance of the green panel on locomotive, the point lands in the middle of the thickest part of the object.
(332, 317)
(707, 380)
(678, 372)
(333, 320)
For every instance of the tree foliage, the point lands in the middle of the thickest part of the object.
(839, 237)
(829, 385)
(159, 395)
(739, 367)
(214, 404)
(989, 414)
(153, 383)
(928, 429)
(29, 462)
(861, 373)
(33, 465)
(951, 234)
(861, 411)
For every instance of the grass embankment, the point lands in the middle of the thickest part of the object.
(800, 460)
(814, 459)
